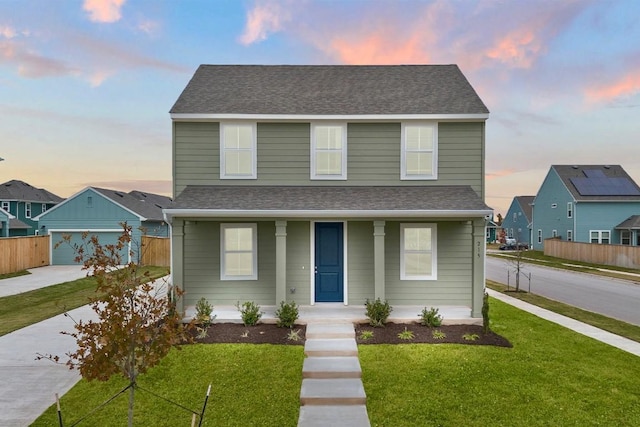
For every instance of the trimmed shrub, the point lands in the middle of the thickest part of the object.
(287, 314)
(377, 312)
(430, 317)
(250, 312)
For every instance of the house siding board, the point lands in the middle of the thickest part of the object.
(520, 226)
(373, 155)
(454, 283)
(298, 259)
(602, 216)
(545, 217)
(360, 262)
(202, 267)
(196, 154)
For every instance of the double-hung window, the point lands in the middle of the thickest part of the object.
(27, 210)
(419, 157)
(418, 252)
(238, 252)
(600, 236)
(329, 151)
(5, 206)
(569, 210)
(238, 147)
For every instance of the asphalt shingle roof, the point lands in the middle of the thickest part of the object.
(329, 90)
(327, 198)
(526, 206)
(20, 190)
(566, 172)
(146, 205)
(631, 223)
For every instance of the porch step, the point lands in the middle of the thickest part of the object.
(331, 347)
(331, 367)
(338, 391)
(334, 416)
(328, 331)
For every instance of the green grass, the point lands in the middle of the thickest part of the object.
(18, 311)
(15, 274)
(614, 326)
(252, 385)
(551, 377)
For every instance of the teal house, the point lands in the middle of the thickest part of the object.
(517, 222)
(329, 185)
(23, 203)
(99, 212)
(587, 203)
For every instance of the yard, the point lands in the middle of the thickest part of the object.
(551, 376)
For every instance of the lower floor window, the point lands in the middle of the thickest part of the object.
(418, 252)
(238, 252)
(625, 237)
(569, 235)
(600, 236)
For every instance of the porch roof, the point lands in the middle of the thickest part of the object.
(327, 201)
(631, 223)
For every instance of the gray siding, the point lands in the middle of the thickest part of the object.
(202, 267)
(373, 155)
(298, 259)
(360, 262)
(453, 286)
(196, 154)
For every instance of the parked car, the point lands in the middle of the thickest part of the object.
(513, 245)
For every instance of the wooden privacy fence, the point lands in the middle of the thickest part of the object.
(155, 251)
(617, 255)
(21, 253)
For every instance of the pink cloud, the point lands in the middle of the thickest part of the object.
(499, 174)
(627, 85)
(31, 64)
(106, 11)
(7, 32)
(266, 17)
(518, 49)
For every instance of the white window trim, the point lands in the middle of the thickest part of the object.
(539, 235)
(254, 245)
(313, 173)
(27, 210)
(254, 150)
(569, 235)
(569, 210)
(434, 252)
(600, 237)
(403, 153)
(6, 206)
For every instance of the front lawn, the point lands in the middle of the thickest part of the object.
(251, 385)
(551, 377)
(27, 308)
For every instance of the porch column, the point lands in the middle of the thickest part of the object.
(177, 258)
(281, 261)
(478, 279)
(378, 259)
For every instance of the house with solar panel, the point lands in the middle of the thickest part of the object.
(329, 185)
(589, 204)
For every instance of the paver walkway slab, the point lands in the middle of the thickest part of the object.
(331, 367)
(334, 416)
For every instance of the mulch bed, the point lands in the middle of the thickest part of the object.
(268, 333)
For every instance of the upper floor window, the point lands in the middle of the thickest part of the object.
(5, 206)
(515, 217)
(419, 157)
(539, 236)
(44, 207)
(569, 210)
(328, 151)
(600, 236)
(27, 210)
(238, 147)
(239, 251)
(418, 252)
(569, 235)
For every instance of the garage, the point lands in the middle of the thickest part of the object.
(64, 254)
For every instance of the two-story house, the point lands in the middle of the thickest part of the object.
(517, 221)
(329, 184)
(24, 202)
(586, 203)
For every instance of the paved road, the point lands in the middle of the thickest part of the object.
(619, 299)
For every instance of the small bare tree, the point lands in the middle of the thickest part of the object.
(137, 323)
(517, 261)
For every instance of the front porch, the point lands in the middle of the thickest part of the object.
(332, 312)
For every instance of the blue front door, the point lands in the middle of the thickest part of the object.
(329, 262)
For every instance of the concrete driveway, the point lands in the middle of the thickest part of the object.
(41, 277)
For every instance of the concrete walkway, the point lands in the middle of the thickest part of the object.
(41, 277)
(622, 343)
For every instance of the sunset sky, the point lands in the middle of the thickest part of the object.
(86, 86)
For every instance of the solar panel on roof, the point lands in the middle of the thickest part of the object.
(605, 186)
(594, 173)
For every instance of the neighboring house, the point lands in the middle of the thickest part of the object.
(517, 221)
(25, 203)
(320, 184)
(586, 203)
(100, 212)
(492, 231)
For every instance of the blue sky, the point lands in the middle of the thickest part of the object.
(86, 85)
